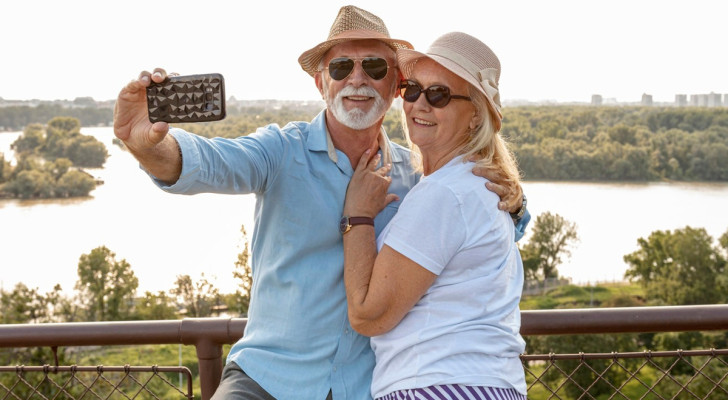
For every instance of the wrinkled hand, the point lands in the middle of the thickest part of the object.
(511, 194)
(131, 118)
(367, 193)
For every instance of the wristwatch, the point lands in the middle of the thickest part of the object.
(516, 216)
(347, 222)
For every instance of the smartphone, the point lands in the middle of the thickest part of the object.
(189, 98)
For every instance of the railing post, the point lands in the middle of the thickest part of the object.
(208, 336)
(209, 358)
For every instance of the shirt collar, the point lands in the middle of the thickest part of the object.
(325, 143)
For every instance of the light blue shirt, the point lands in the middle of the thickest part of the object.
(298, 343)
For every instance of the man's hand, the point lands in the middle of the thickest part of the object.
(149, 143)
(131, 118)
(511, 194)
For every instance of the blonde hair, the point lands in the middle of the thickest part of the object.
(484, 143)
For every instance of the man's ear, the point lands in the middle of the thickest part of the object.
(318, 78)
(400, 78)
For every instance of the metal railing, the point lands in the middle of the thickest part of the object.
(99, 382)
(208, 335)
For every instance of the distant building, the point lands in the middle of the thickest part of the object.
(725, 99)
(646, 99)
(714, 100)
(681, 100)
(596, 100)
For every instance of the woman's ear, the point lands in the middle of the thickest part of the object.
(474, 121)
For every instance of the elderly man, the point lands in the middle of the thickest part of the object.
(298, 343)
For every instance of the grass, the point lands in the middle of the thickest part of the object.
(620, 294)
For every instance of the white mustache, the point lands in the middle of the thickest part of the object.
(360, 91)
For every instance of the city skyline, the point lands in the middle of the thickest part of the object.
(558, 51)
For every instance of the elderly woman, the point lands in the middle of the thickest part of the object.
(439, 291)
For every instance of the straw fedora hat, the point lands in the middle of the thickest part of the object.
(352, 23)
(468, 58)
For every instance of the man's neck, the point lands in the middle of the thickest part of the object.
(352, 142)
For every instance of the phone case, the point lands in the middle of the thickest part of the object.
(190, 98)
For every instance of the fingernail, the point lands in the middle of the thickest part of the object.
(368, 151)
(145, 78)
(157, 74)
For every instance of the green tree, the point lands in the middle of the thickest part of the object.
(155, 307)
(680, 268)
(74, 183)
(106, 285)
(240, 300)
(58, 167)
(28, 305)
(198, 299)
(31, 184)
(551, 240)
(32, 138)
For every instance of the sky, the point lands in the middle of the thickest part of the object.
(550, 50)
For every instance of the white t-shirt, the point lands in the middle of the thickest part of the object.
(465, 329)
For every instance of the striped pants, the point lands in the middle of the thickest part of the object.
(455, 392)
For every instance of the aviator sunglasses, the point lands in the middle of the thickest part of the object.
(375, 67)
(437, 95)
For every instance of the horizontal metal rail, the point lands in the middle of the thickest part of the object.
(208, 335)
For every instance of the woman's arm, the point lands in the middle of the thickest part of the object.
(380, 289)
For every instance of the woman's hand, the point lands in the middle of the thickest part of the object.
(367, 193)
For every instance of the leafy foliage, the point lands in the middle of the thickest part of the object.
(45, 157)
(550, 241)
(619, 143)
(107, 286)
(680, 267)
(14, 118)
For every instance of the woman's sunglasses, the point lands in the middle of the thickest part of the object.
(375, 67)
(437, 95)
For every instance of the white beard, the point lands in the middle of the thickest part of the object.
(356, 118)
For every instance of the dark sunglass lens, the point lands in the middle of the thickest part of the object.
(411, 91)
(340, 68)
(438, 96)
(375, 67)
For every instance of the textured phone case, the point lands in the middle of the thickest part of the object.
(190, 98)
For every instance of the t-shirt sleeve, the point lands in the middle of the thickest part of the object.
(429, 227)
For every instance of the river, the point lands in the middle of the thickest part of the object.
(163, 235)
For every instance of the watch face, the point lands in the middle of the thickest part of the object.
(343, 224)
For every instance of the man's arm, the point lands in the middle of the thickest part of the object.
(156, 151)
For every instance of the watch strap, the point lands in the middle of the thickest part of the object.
(347, 222)
(519, 214)
(361, 221)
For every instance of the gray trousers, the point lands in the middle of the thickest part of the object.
(237, 385)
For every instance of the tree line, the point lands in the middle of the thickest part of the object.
(578, 143)
(15, 118)
(49, 158)
(106, 290)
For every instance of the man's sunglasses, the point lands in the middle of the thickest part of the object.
(437, 95)
(375, 67)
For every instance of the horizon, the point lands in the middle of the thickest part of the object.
(561, 51)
